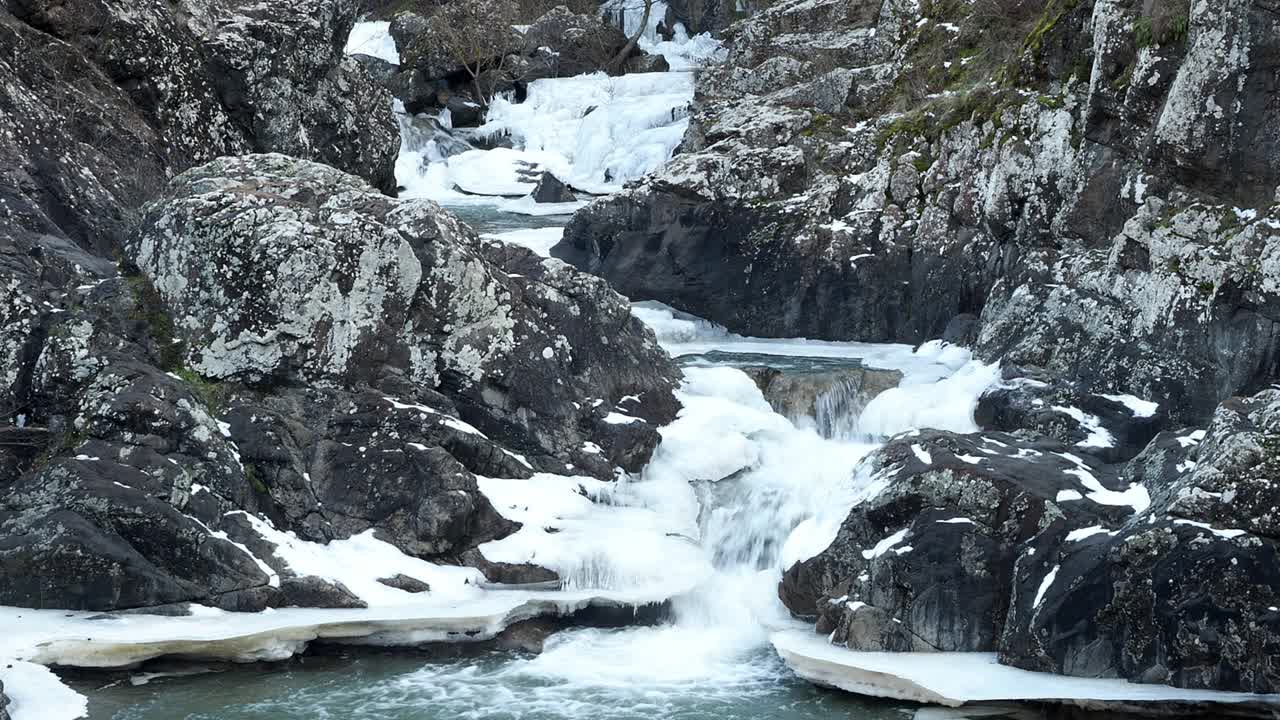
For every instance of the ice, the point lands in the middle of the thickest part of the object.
(947, 404)
(373, 38)
(1098, 436)
(595, 131)
(885, 545)
(686, 53)
(1045, 584)
(952, 679)
(682, 334)
(562, 529)
(1139, 407)
(35, 693)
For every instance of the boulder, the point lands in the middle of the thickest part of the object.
(400, 581)
(183, 415)
(647, 63)
(1157, 570)
(550, 190)
(579, 43)
(312, 591)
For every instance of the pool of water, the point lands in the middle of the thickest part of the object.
(366, 685)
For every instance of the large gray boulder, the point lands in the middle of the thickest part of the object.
(295, 352)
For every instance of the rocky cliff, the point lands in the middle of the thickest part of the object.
(1087, 187)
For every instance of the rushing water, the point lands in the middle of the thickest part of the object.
(406, 687)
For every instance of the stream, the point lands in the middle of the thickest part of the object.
(753, 490)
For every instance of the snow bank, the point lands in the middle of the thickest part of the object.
(539, 240)
(35, 693)
(954, 679)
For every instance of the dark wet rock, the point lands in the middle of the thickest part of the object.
(1112, 428)
(551, 190)
(647, 64)
(527, 636)
(830, 399)
(312, 591)
(935, 547)
(400, 581)
(870, 629)
(171, 88)
(700, 16)
(515, 574)
(1158, 570)
(406, 26)
(4, 704)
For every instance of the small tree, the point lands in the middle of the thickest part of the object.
(618, 60)
(477, 34)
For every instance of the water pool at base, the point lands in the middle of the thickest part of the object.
(403, 685)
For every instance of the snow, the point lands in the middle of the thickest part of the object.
(35, 693)
(1098, 437)
(1224, 534)
(373, 38)
(957, 521)
(922, 455)
(1191, 439)
(562, 530)
(1045, 584)
(360, 560)
(1136, 496)
(1139, 407)
(952, 679)
(886, 544)
(1088, 532)
(617, 418)
(1068, 495)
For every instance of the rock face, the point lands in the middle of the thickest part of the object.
(294, 352)
(551, 190)
(1158, 570)
(171, 86)
(851, 172)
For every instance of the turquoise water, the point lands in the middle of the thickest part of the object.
(362, 685)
